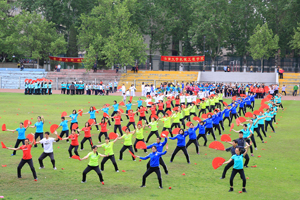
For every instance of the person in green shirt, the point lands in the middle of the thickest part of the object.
(139, 131)
(176, 119)
(153, 126)
(295, 90)
(193, 110)
(212, 104)
(217, 102)
(127, 143)
(203, 107)
(93, 164)
(167, 123)
(109, 152)
(187, 112)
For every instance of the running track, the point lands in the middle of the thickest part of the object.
(297, 98)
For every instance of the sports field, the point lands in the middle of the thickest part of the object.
(275, 177)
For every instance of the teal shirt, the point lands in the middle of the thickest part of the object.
(238, 161)
(246, 133)
(261, 121)
(50, 85)
(269, 116)
(254, 126)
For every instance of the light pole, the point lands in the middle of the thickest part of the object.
(204, 54)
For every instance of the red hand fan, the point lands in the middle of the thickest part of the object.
(150, 103)
(225, 104)
(196, 119)
(256, 112)
(121, 103)
(132, 154)
(242, 119)
(264, 106)
(75, 157)
(154, 116)
(95, 109)
(59, 137)
(3, 145)
(234, 98)
(53, 128)
(91, 121)
(121, 110)
(217, 162)
(198, 101)
(217, 145)
(231, 127)
(175, 131)
(107, 104)
(225, 138)
(63, 114)
(130, 99)
(112, 136)
(140, 123)
(188, 124)
(204, 116)
(27, 123)
(4, 127)
(119, 87)
(266, 88)
(175, 108)
(80, 112)
(209, 114)
(74, 126)
(141, 145)
(124, 128)
(249, 114)
(166, 133)
(169, 112)
(237, 121)
(105, 115)
(30, 137)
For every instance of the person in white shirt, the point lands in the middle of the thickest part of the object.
(188, 100)
(182, 100)
(148, 100)
(47, 142)
(148, 90)
(124, 97)
(123, 89)
(127, 93)
(143, 90)
(156, 98)
(132, 90)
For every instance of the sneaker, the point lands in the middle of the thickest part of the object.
(143, 186)
(55, 168)
(215, 139)
(36, 179)
(255, 148)
(117, 171)
(134, 160)
(160, 187)
(222, 178)
(244, 190)
(12, 154)
(83, 181)
(246, 166)
(263, 142)
(81, 149)
(120, 159)
(230, 190)
(41, 167)
(198, 153)
(252, 154)
(102, 182)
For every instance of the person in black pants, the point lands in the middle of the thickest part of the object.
(127, 144)
(180, 145)
(93, 164)
(117, 125)
(27, 158)
(238, 166)
(74, 142)
(21, 136)
(230, 164)
(154, 165)
(241, 143)
(108, 148)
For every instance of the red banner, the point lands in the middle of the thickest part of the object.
(182, 58)
(66, 59)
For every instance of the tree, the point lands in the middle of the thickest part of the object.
(263, 43)
(34, 37)
(211, 20)
(295, 42)
(4, 15)
(108, 34)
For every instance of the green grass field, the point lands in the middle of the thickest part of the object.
(276, 176)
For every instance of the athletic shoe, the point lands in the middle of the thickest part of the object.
(98, 130)
(55, 168)
(143, 186)
(252, 154)
(222, 178)
(81, 149)
(83, 181)
(36, 179)
(117, 171)
(255, 148)
(244, 190)
(198, 153)
(205, 145)
(12, 154)
(134, 160)
(41, 167)
(160, 187)
(102, 183)
(230, 190)
(120, 159)
(263, 142)
(215, 139)
(246, 166)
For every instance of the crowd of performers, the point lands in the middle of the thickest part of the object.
(184, 115)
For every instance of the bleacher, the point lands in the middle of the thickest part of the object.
(289, 80)
(156, 77)
(13, 78)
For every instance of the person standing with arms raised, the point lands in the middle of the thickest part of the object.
(39, 125)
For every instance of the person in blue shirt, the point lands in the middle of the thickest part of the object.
(49, 88)
(39, 125)
(232, 151)
(21, 136)
(180, 145)
(193, 136)
(238, 166)
(247, 133)
(154, 165)
(159, 147)
(201, 128)
(242, 107)
(116, 109)
(65, 128)
(216, 122)
(140, 103)
(105, 110)
(269, 119)
(68, 88)
(92, 113)
(252, 99)
(233, 111)
(74, 116)
(128, 107)
(63, 88)
(248, 104)
(209, 125)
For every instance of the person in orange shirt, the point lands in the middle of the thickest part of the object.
(74, 142)
(27, 158)
(87, 134)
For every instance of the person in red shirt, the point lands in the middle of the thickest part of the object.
(153, 111)
(262, 91)
(103, 130)
(160, 108)
(87, 134)
(177, 101)
(168, 105)
(142, 111)
(74, 142)
(27, 158)
(131, 119)
(117, 123)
